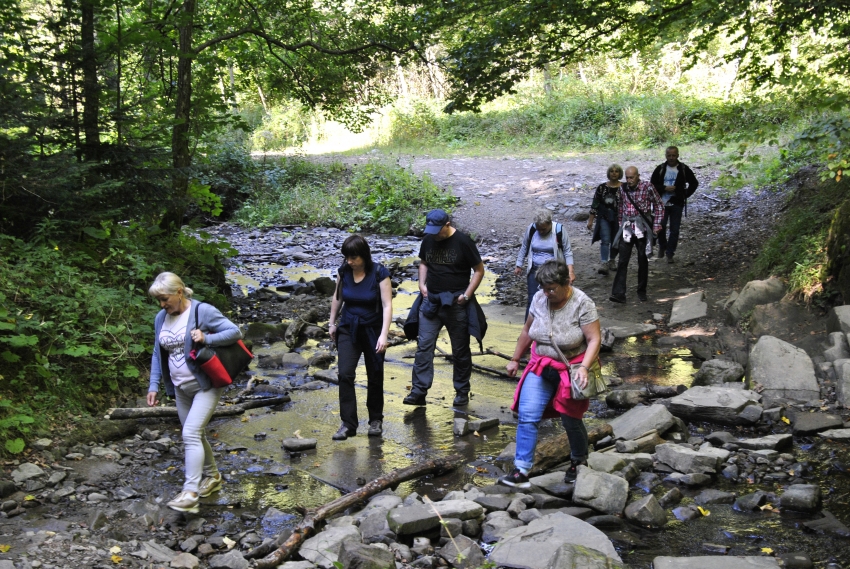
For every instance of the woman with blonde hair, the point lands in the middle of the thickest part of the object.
(604, 210)
(175, 333)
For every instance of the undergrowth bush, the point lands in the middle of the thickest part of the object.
(76, 322)
(376, 196)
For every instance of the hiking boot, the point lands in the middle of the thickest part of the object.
(209, 485)
(603, 268)
(572, 472)
(612, 265)
(670, 260)
(461, 400)
(516, 479)
(414, 399)
(617, 298)
(376, 428)
(184, 502)
(343, 433)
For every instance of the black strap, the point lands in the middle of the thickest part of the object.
(559, 235)
(638, 209)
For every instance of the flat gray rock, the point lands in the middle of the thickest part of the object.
(534, 545)
(413, 519)
(688, 308)
(785, 371)
(836, 434)
(811, 423)
(294, 444)
(715, 404)
(323, 548)
(26, 471)
(715, 562)
(622, 329)
(641, 419)
(460, 509)
(769, 442)
(686, 460)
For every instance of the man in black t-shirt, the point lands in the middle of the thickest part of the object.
(447, 257)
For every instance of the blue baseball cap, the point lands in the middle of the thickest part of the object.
(435, 220)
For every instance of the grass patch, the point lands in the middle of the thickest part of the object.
(378, 196)
(797, 250)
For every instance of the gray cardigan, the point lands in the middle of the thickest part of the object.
(218, 331)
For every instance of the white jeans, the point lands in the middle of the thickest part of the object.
(195, 408)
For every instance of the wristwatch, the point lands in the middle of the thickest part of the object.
(466, 298)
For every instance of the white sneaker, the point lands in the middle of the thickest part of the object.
(184, 502)
(210, 485)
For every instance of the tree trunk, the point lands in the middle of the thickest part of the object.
(556, 450)
(838, 249)
(314, 518)
(228, 411)
(181, 157)
(91, 88)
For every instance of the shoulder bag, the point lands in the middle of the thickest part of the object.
(595, 382)
(222, 364)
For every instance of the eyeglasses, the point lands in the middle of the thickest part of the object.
(548, 290)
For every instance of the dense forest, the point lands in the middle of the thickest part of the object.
(124, 120)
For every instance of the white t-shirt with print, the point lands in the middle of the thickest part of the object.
(172, 337)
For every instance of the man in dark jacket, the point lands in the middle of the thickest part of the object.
(675, 183)
(450, 270)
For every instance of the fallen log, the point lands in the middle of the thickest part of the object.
(228, 411)
(314, 518)
(556, 450)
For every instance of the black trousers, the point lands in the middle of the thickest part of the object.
(349, 350)
(623, 266)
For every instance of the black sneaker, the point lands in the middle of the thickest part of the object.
(516, 479)
(618, 299)
(572, 471)
(414, 399)
(343, 433)
(642, 296)
(461, 400)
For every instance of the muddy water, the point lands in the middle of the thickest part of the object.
(413, 434)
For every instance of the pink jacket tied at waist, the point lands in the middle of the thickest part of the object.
(562, 403)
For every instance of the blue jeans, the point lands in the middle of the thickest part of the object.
(536, 393)
(667, 245)
(456, 321)
(607, 231)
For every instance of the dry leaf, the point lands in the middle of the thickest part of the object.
(115, 549)
(5, 548)
(766, 550)
(476, 433)
(766, 507)
(117, 559)
(703, 511)
(297, 434)
(786, 420)
(228, 542)
(244, 419)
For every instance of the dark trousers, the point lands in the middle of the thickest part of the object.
(623, 266)
(667, 245)
(349, 350)
(531, 282)
(456, 321)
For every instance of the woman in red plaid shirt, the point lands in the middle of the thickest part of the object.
(640, 215)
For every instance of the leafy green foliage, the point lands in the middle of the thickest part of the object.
(374, 196)
(76, 322)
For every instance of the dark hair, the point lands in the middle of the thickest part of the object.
(553, 272)
(356, 246)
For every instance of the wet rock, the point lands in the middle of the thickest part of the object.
(641, 419)
(534, 545)
(646, 481)
(718, 372)
(770, 442)
(478, 425)
(783, 370)
(752, 502)
(647, 512)
(185, 561)
(801, 498)
(717, 405)
(409, 520)
(354, 555)
(837, 349)
(836, 434)
(712, 496)
(271, 357)
(625, 398)
(496, 525)
(795, 560)
(687, 460)
(753, 294)
(323, 549)
(711, 562)
(26, 471)
(293, 360)
(262, 332)
(686, 513)
(328, 375)
(828, 524)
(231, 560)
(673, 496)
(460, 427)
(325, 286)
(462, 552)
(688, 308)
(296, 445)
(693, 480)
(602, 492)
(622, 329)
(803, 424)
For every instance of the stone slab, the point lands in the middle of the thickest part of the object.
(784, 370)
(715, 562)
(714, 404)
(688, 308)
(640, 419)
(623, 329)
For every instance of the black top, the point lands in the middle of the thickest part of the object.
(686, 183)
(449, 262)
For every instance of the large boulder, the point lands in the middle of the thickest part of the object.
(601, 491)
(688, 308)
(753, 294)
(640, 420)
(535, 545)
(837, 347)
(783, 370)
(718, 372)
(839, 319)
(723, 405)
